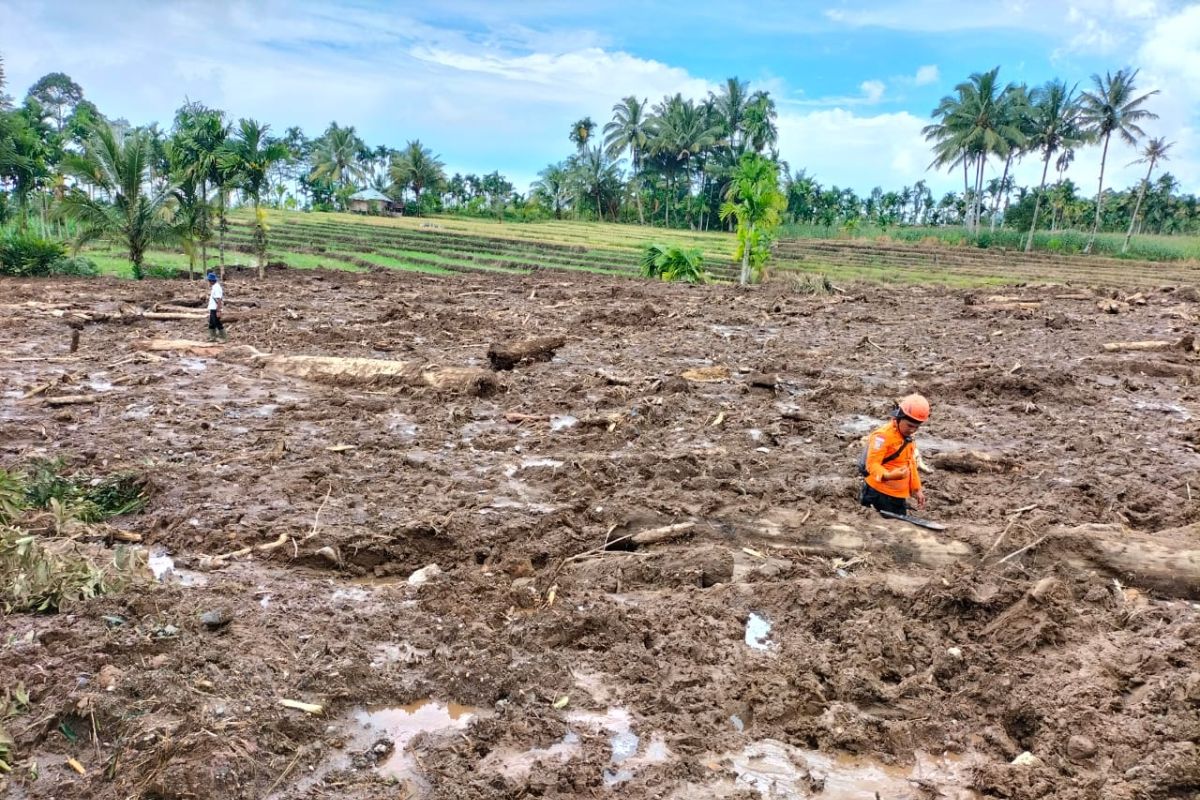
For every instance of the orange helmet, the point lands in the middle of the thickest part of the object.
(915, 407)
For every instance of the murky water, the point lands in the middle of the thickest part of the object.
(758, 632)
(859, 425)
(162, 566)
(777, 770)
(402, 724)
(562, 422)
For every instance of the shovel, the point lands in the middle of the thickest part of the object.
(918, 521)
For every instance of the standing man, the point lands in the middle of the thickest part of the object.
(889, 467)
(216, 303)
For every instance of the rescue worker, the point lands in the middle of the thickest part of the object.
(889, 467)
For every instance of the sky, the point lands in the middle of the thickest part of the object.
(491, 84)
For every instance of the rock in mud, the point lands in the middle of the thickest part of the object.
(424, 575)
(1080, 748)
(216, 618)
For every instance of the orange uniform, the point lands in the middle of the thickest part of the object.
(882, 442)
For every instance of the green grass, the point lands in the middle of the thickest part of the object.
(1141, 248)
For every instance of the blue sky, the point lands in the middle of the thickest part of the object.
(496, 85)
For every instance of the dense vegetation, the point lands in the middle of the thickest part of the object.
(70, 176)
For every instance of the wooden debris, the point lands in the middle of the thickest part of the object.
(706, 374)
(971, 461)
(190, 346)
(665, 533)
(505, 356)
(341, 448)
(300, 705)
(75, 765)
(1022, 306)
(1109, 306)
(1153, 345)
(72, 400)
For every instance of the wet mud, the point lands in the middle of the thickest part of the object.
(454, 581)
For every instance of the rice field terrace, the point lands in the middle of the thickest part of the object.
(450, 245)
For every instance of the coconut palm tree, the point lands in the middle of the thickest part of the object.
(248, 157)
(335, 156)
(418, 167)
(1155, 150)
(552, 185)
(974, 125)
(1113, 107)
(1054, 126)
(730, 107)
(130, 213)
(629, 131)
(681, 131)
(759, 122)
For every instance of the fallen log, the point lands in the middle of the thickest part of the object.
(378, 372)
(1152, 345)
(665, 533)
(189, 346)
(72, 400)
(1167, 561)
(1031, 305)
(191, 316)
(507, 356)
(970, 461)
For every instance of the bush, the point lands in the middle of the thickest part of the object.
(673, 263)
(27, 255)
(76, 266)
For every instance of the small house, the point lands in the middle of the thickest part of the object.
(371, 201)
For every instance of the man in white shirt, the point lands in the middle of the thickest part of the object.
(216, 302)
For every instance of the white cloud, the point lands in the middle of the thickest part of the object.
(872, 91)
(841, 147)
(926, 75)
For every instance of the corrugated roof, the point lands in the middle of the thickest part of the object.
(370, 194)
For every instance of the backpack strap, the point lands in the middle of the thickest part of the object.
(896, 454)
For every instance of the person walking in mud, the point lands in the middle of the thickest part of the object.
(216, 304)
(889, 465)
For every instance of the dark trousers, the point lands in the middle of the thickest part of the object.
(883, 502)
(214, 322)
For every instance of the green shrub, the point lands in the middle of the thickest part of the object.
(27, 255)
(76, 266)
(161, 271)
(673, 263)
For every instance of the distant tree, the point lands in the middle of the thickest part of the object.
(1113, 106)
(417, 167)
(552, 187)
(1155, 151)
(6, 101)
(336, 156)
(58, 94)
(629, 132)
(497, 189)
(755, 202)
(1053, 127)
(131, 214)
(581, 133)
(248, 157)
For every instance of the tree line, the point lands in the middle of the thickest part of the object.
(698, 163)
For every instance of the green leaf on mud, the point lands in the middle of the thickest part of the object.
(562, 701)
(66, 731)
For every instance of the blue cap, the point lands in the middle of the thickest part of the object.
(212, 277)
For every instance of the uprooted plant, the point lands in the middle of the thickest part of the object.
(43, 511)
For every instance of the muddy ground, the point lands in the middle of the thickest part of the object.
(538, 663)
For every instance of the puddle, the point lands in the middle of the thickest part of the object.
(100, 384)
(194, 364)
(267, 410)
(562, 422)
(624, 746)
(162, 566)
(777, 770)
(401, 725)
(758, 632)
(402, 426)
(859, 425)
(532, 463)
(1173, 409)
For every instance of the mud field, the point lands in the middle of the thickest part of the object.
(652, 577)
